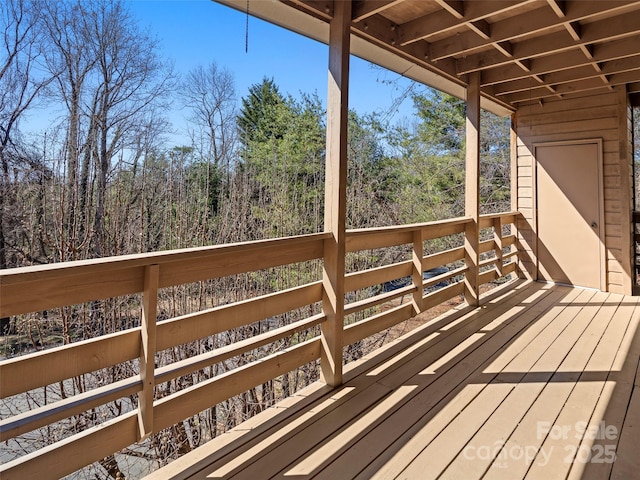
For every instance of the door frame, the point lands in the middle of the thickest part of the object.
(601, 220)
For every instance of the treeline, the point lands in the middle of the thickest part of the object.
(103, 180)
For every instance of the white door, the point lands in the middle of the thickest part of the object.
(569, 214)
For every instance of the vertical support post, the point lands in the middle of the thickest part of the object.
(148, 350)
(497, 240)
(418, 253)
(514, 190)
(625, 130)
(472, 192)
(335, 194)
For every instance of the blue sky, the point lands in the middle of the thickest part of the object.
(197, 32)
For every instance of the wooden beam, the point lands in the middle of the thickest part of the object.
(571, 75)
(381, 31)
(72, 453)
(321, 9)
(472, 191)
(443, 20)
(521, 25)
(614, 28)
(454, 7)
(558, 7)
(570, 88)
(513, 154)
(366, 9)
(481, 28)
(336, 194)
(625, 149)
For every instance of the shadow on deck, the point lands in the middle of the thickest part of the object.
(540, 382)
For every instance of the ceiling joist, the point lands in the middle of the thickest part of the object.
(525, 50)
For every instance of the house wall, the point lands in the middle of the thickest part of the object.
(605, 116)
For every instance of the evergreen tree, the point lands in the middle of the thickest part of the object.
(258, 119)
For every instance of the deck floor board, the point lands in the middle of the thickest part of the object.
(503, 391)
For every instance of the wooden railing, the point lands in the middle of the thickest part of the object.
(34, 289)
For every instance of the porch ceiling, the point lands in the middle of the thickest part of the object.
(525, 51)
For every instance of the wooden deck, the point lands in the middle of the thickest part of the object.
(541, 382)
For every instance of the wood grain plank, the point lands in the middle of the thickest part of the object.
(448, 433)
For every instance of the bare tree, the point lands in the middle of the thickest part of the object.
(111, 77)
(19, 87)
(209, 93)
(69, 60)
(130, 80)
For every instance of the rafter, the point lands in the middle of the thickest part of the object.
(321, 9)
(524, 50)
(521, 25)
(569, 88)
(592, 33)
(558, 7)
(454, 7)
(381, 31)
(363, 10)
(568, 76)
(482, 28)
(442, 20)
(602, 52)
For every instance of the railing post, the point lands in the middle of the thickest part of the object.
(472, 192)
(148, 350)
(497, 240)
(418, 254)
(336, 194)
(513, 140)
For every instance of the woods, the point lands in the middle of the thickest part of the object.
(102, 180)
(89, 184)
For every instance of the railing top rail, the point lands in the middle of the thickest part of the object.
(407, 228)
(498, 215)
(424, 225)
(99, 265)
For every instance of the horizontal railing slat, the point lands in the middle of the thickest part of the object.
(22, 374)
(488, 276)
(442, 295)
(185, 403)
(377, 299)
(487, 246)
(442, 258)
(508, 240)
(47, 414)
(376, 276)
(105, 264)
(232, 263)
(488, 261)
(187, 328)
(376, 323)
(444, 276)
(68, 455)
(198, 362)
